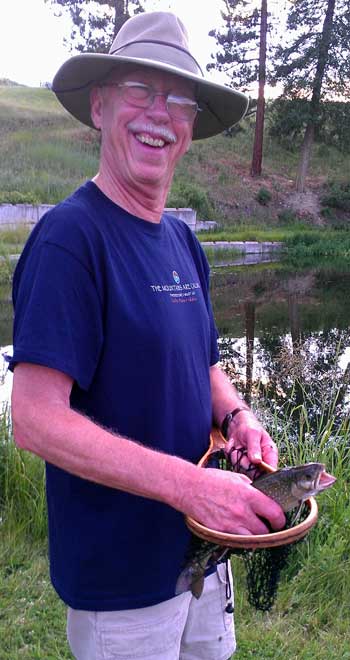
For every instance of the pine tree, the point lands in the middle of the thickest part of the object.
(316, 63)
(243, 44)
(95, 22)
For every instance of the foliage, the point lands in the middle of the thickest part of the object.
(337, 196)
(333, 244)
(245, 31)
(238, 41)
(6, 82)
(16, 197)
(95, 23)
(315, 62)
(298, 56)
(287, 217)
(189, 195)
(288, 117)
(22, 486)
(263, 196)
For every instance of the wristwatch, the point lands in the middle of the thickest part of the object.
(228, 419)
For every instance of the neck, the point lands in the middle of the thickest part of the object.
(145, 201)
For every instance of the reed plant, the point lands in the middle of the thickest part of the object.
(222, 255)
(22, 488)
(313, 600)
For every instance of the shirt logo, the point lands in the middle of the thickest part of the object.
(176, 277)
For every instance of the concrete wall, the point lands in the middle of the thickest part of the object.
(17, 214)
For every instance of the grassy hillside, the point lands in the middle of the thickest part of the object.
(46, 154)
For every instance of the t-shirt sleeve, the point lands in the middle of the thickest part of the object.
(58, 314)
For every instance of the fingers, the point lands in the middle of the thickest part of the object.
(249, 433)
(269, 450)
(267, 508)
(229, 503)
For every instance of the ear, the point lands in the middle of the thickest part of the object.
(96, 105)
(189, 145)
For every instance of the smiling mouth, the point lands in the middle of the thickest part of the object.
(150, 141)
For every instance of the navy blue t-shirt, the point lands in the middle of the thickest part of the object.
(122, 306)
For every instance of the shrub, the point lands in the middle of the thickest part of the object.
(287, 217)
(338, 196)
(190, 195)
(16, 197)
(263, 196)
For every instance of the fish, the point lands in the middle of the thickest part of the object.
(192, 577)
(288, 486)
(291, 486)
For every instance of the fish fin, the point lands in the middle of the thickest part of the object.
(296, 516)
(197, 586)
(184, 581)
(191, 574)
(187, 581)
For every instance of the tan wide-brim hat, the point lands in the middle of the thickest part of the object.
(156, 40)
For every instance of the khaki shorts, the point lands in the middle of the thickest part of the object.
(182, 628)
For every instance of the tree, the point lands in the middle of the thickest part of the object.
(95, 23)
(316, 64)
(260, 110)
(243, 44)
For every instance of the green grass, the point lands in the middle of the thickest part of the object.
(309, 618)
(45, 152)
(32, 618)
(251, 232)
(223, 255)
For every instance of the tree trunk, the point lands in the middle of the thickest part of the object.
(316, 96)
(260, 112)
(249, 308)
(304, 160)
(120, 14)
(295, 331)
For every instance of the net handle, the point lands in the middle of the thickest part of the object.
(218, 442)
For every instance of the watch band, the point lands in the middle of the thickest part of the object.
(228, 419)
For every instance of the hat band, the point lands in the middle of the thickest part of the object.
(160, 43)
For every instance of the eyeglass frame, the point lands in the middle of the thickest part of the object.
(153, 93)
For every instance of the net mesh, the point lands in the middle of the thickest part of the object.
(263, 565)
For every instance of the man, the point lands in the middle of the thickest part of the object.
(116, 381)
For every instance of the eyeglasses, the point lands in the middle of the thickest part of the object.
(142, 96)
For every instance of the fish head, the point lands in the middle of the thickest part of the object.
(309, 479)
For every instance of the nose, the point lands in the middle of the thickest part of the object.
(158, 106)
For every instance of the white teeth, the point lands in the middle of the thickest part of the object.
(153, 142)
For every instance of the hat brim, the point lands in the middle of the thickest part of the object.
(222, 107)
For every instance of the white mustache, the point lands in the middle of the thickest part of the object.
(154, 131)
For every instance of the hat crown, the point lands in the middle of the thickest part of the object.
(152, 26)
(163, 32)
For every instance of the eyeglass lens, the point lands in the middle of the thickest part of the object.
(142, 96)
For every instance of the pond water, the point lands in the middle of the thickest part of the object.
(285, 334)
(278, 323)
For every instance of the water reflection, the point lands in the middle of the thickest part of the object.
(285, 335)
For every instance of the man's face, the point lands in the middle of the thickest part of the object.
(142, 145)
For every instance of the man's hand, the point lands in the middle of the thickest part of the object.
(246, 432)
(227, 502)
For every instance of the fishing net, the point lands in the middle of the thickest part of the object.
(263, 566)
